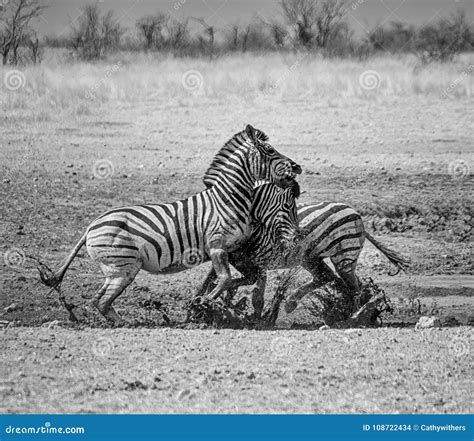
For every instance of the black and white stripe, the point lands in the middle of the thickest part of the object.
(327, 230)
(172, 237)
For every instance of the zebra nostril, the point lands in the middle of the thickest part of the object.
(296, 168)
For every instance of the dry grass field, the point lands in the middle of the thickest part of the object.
(389, 137)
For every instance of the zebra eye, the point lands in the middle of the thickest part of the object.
(270, 150)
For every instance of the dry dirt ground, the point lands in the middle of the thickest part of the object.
(401, 161)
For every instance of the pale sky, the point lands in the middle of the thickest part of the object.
(362, 14)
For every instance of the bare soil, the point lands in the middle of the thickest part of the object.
(389, 160)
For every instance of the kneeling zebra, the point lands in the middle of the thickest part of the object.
(327, 230)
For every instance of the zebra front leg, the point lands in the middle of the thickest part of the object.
(208, 281)
(231, 289)
(322, 274)
(220, 262)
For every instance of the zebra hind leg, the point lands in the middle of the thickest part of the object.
(113, 286)
(322, 274)
(351, 286)
(258, 296)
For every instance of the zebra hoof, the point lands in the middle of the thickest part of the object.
(290, 306)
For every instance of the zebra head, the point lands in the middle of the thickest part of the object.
(275, 219)
(266, 163)
(246, 158)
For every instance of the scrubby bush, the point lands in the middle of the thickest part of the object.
(95, 34)
(445, 39)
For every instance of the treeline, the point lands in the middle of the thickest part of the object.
(318, 26)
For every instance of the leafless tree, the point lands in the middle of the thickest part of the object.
(314, 21)
(443, 40)
(330, 20)
(178, 34)
(95, 33)
(278, 33)
(234, 38)
(32, 42)
(15, 18)
(210, 32)
(151, 27)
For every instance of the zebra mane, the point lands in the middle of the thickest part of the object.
(222, 156)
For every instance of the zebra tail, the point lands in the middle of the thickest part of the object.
(396, 258)
(53, 280)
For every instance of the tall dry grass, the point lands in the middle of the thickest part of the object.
(62, 85)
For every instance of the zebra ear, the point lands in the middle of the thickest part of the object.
(251, 133)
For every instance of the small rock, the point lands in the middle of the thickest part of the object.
(4, 323)
(426, 322)
(324, 328)
(11, 308)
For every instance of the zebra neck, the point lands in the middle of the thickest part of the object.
(236, 200)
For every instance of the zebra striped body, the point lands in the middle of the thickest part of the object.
(144, 231)
(165, 237)
(175, 236)
(327, 230)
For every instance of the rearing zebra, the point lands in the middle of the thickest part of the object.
(165, 238)
(327, 230)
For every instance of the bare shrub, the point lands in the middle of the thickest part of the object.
(314, 23)
(278, 33)
(177, 36)
(151, 30)
(444, 40)
(33, 44)
(396, 37)
(206, 43)
(95, 34)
